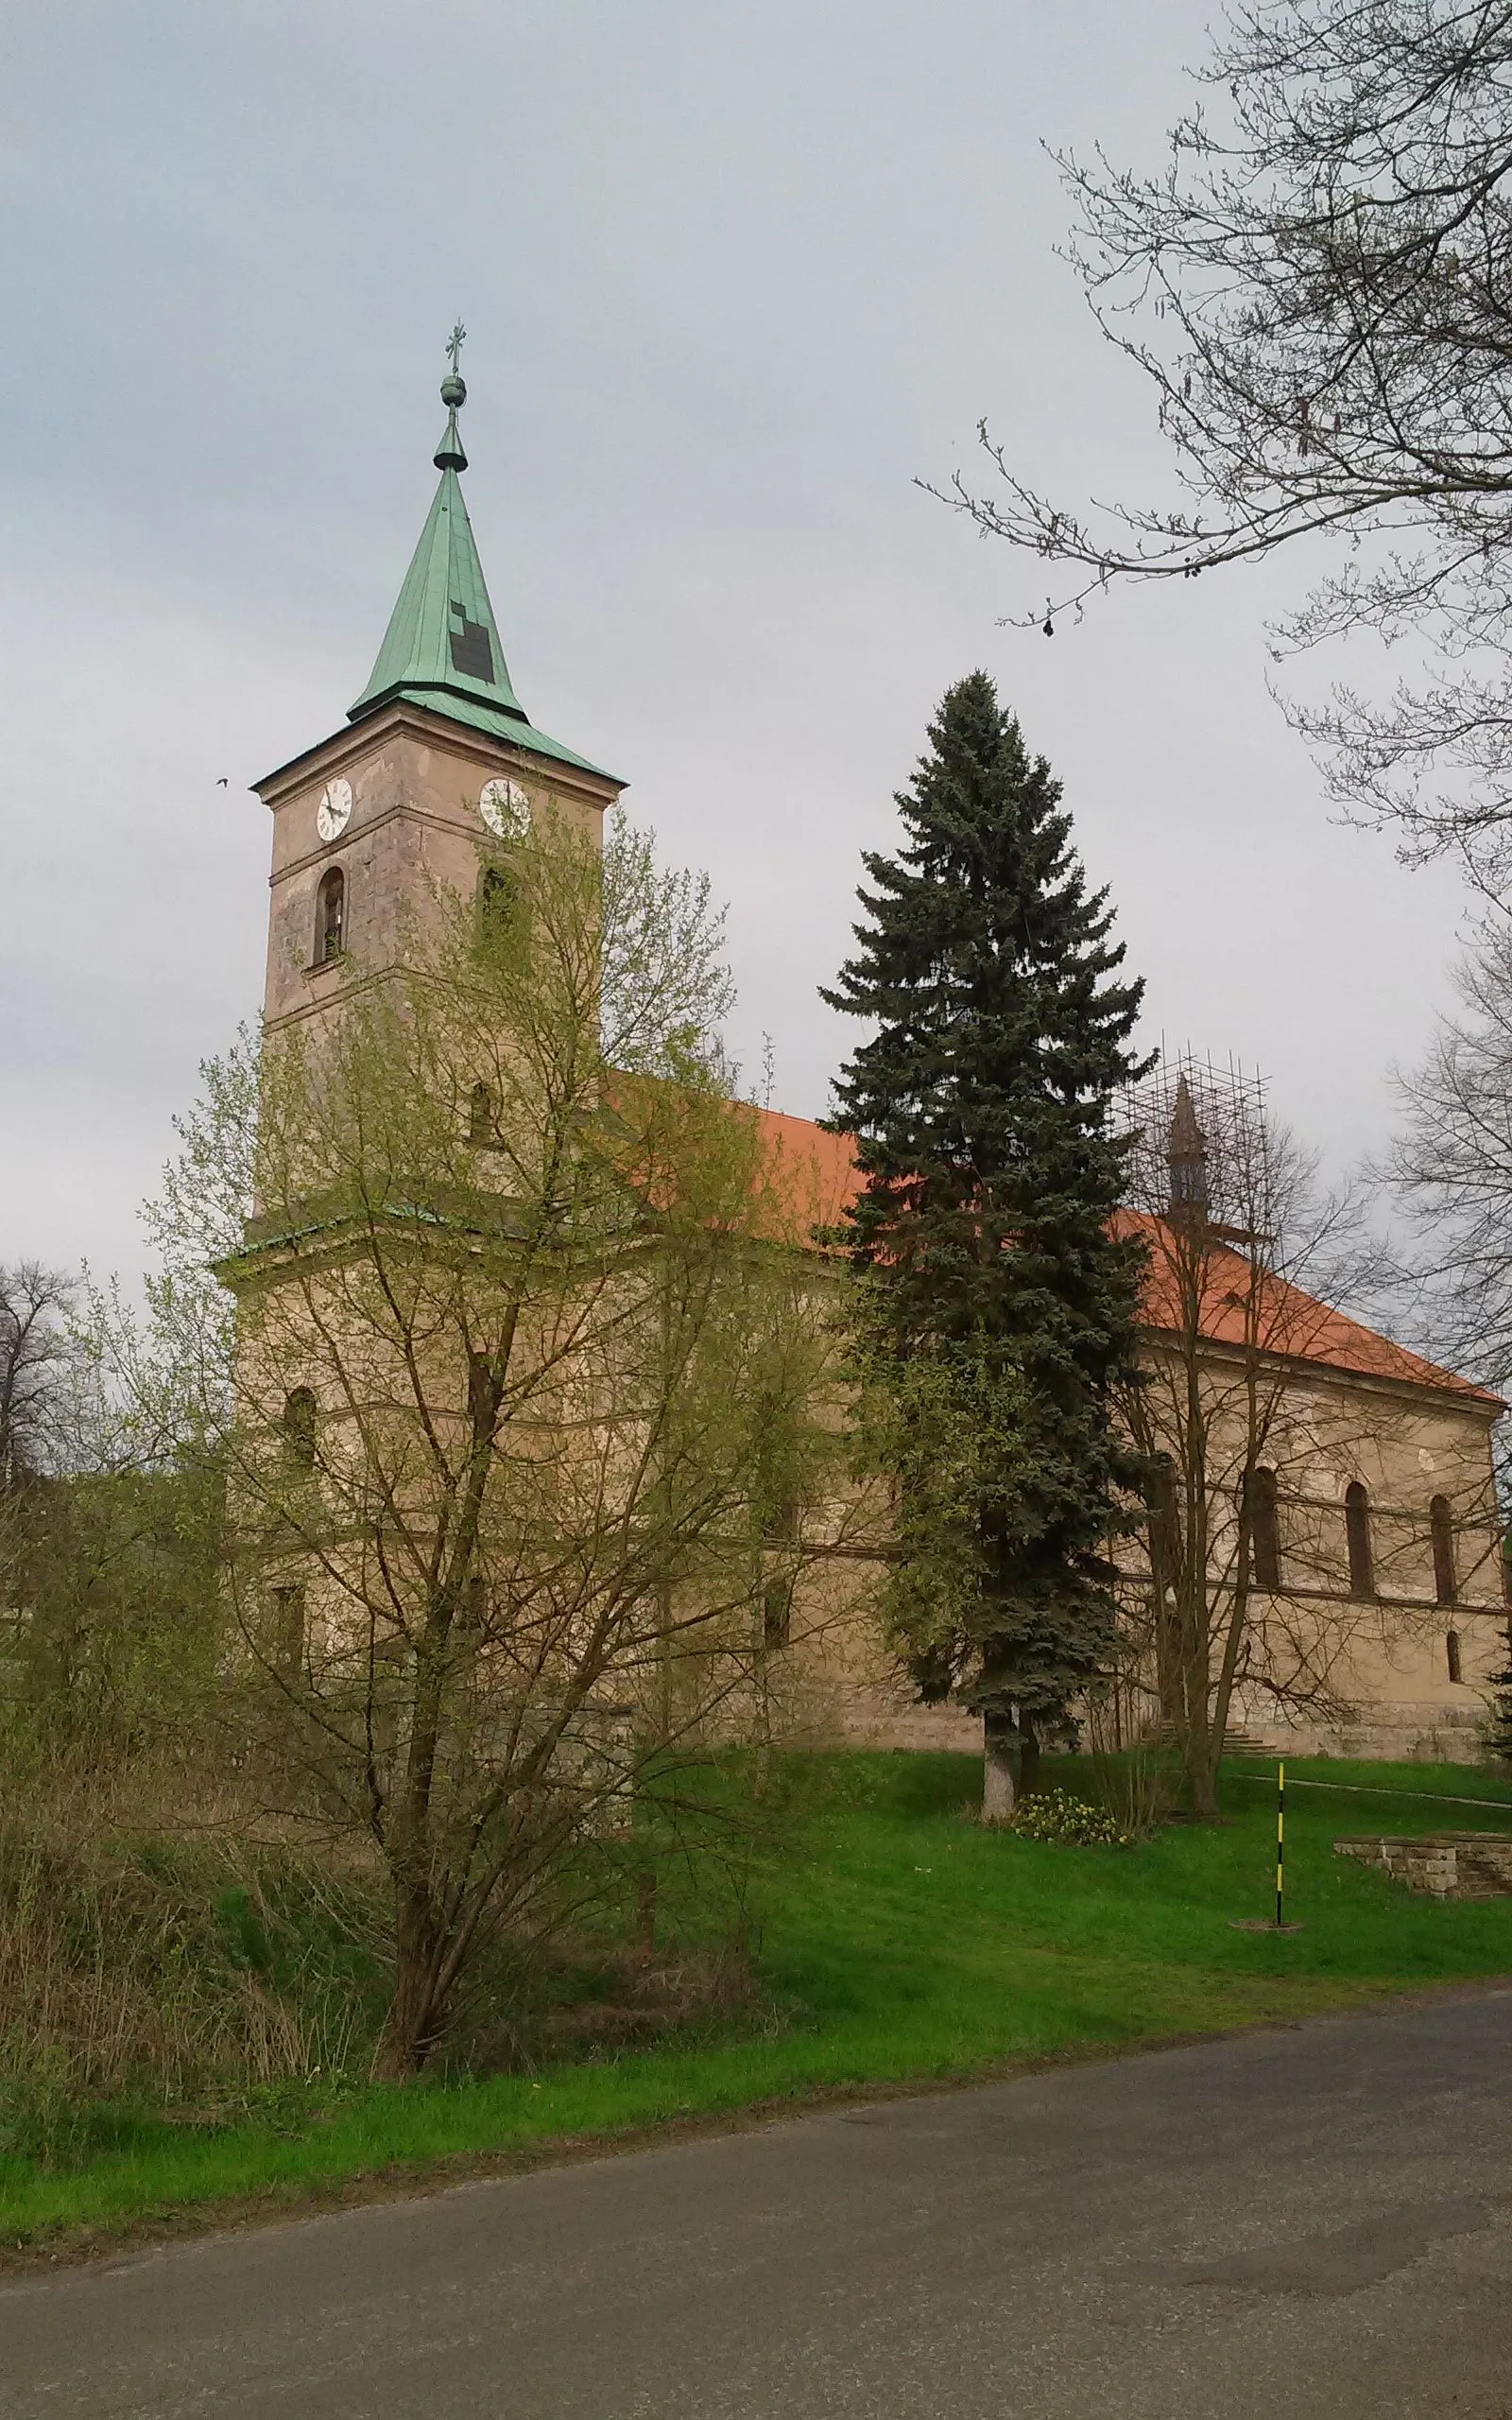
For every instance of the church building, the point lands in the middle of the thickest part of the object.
(1379, 1518)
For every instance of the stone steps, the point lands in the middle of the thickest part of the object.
(1237, 1741)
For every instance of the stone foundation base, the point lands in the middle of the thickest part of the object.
(878, 1717)
(873, 1719)
(1382, 1733)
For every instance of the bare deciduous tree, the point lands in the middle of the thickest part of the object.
(1451, 1165)
(109, 1533)
(36, 1357)
(1237, 1581)
(36, 1361)
(1317, 289)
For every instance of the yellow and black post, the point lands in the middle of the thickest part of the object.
(1280, 1846)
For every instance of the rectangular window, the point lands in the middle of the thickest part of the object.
(1264, 1529)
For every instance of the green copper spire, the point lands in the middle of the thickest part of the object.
(442, 648)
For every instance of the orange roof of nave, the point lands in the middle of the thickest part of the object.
(812, 1165)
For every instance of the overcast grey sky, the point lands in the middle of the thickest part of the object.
(734, 272)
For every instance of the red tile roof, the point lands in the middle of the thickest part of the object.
(812, 1166)
(1236, 1306)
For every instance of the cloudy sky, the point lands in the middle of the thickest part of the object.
(735, 274)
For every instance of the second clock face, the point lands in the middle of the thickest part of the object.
(334, 807)
(506, 809)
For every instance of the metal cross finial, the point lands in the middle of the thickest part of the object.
(454, 349)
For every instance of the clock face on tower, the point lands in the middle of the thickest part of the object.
(506, 809)
(334, 807)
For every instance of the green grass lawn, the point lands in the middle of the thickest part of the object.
(900, 1943)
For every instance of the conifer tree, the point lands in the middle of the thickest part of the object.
(996, 1305)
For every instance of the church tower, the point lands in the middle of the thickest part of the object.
(437, 749)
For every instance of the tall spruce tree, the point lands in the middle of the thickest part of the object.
(997, 1305)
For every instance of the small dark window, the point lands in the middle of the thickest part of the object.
(1441, 1524)
(777, 1613)
(480, 1115)
(1357, 1531)
(1452, 1643)
(1264, 1529)
(288, 1626)
(299, 1426)
(330, 916)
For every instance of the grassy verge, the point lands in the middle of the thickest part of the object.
(903, 1945)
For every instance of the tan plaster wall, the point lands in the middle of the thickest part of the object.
(1387, 1659)
(414, 829)
(836, 1683)
(843, 1688)
(1390, 1664)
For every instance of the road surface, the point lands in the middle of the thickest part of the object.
(1310, 2224)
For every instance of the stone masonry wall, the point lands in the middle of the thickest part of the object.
(1450, 1865)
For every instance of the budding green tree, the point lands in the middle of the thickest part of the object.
(520, 1311)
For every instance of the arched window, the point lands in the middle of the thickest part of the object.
(299, 1426)
(498, 897)
(1441, 1525)
(1452, 1643)
(1264, 1529)
(480, 1115)
(330, 916)
(1357, 1530)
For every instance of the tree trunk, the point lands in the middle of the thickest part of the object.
(1203, 1783)
(645, 1915)
(1001, 1746)
(1199, 1761)
(412, 2025)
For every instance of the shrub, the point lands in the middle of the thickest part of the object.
(1137, 1787)
(173, 1972)
(1055, 1815)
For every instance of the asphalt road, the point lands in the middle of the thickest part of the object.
(1312, 2225)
